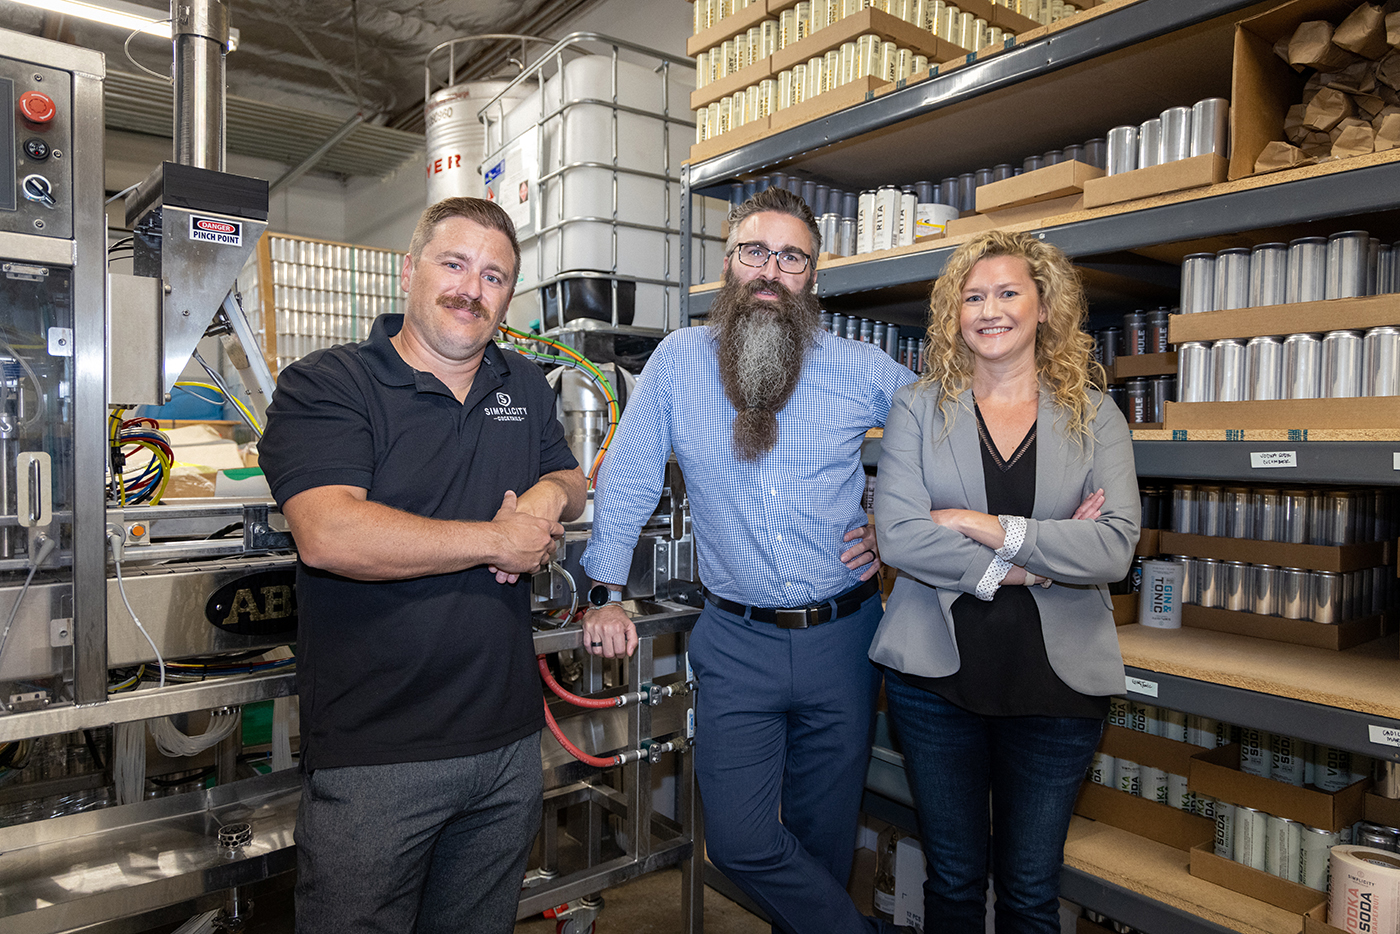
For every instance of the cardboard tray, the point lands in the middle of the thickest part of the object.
(1282, 554)
(727, 28)
(1335, 637)
(1264, 886)
(870, 20)
(1216, 772)
(1195, 172)
(750, 132)
(1300, 414)
(828, 102)
(1144, 364)
(1145, 818)
(1033, 212)
(1125, 609)
(1380, 810)
(1053, 181)
(726, 86)
(1149, 543)
(1359, 314)
(1169, 755)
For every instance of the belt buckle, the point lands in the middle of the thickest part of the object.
(803, 618)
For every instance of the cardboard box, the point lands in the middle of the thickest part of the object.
(750, 132)
(1083, 925)
(1195, 172)
(1053, 181)
(1216, 772)
(1335, 637)
(1281, 554)
(1149, 543)
(1374, 412)
(1314, 922)
(909, 875)
(1371, 311)
(1267, 887)
(727, 86)
(885, 25)
(1125, 609)
(1009, 217)
(828, 102)
(1143, 817)
(727, 28)
(1143, 364)
(1380, 810)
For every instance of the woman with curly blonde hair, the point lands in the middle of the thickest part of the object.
(1008, 499)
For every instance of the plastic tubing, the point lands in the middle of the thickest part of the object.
(574, 699)
(579, 754)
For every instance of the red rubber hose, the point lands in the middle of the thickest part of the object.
(564, 695)
(573, 750)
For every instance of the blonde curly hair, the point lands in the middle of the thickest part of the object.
(1063, 350)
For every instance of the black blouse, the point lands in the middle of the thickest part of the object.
(1005, 671)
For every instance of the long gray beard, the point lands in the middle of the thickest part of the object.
(761, 349)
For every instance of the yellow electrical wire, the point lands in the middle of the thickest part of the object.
(252, 419)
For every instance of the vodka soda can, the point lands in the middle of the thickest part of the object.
(1103, 770)
(1294, 593)
(1118, 711)
(1227, 366)
(1307, 269)
(1263, 590)
(865, 222)
(1235, 509)
(1209, 582)
(1251, 837)
(1122, 150)
(1268, 274)
(1195, 376)
(1263, 514)
(1129, 777)
(1263, 361)
(1314, 852)
(1176, 133)
(1096, 152)
(1225, 830)
(1348, 262)
(1287, 761)
(1295, 518)
(1210, 126)
(1328, 596)
(1163, 391)
(1174, 725)
(1198, 283)
(1135, 333)
(1178, 795)
(1302, 366)
(1235, 581)
(1201, 731)
(1150, 143)
(1341, 364)
(1153, 784)
(1285, 841)
(1380, 359)
(1332, 768)
(1255, 755)
(1184, 508)
(1210, 516)
(1232, 279)
(1139, 716)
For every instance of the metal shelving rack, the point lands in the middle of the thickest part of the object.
(1095, 64)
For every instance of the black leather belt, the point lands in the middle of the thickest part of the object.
(801, 617)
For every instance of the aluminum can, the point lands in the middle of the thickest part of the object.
(1054, 157)
(1150, 143)
(1315, 850)
(832, 77)
(1331, 768)
(1195, 375)
(1173, 725)
(1385, 269)
(948, 192)
(983, 177)
(1235, 586)
(1287, 759)
(1285, 841)
(1118, 711)
(892, 340)
(1201, 731)
(853, 325)
(1268, 274)
(1209, 582)
(1341, 364)
(1307, 269)
(830, 226)
(1235, 506)
(1158, 324)
(1328, 597)
(1251, 837)
(877, 335)
(1198, 283)
(867, 331)
(1188, 576)
(1255, 756)
(1111, 340)
(1225, 830)
(1135, 333)
(1096, 152)
(1263, 590)
(1294, 593)
(1122, 150)
(1295, 517)
(867, 56)
(865, 223)
(1163, 391)
(1139, 401)
(1263, 361)
(967, 191)
(908, 215)
(1103, 770)
(1232, 279)
(847, 235)
(1336, 519)
(1074, 152)
(847, 62)
(1177, 792)
(1153, 784)
(1184, 508)
(1382, 838)
(1302, 366)
(887, 211)
(1176, 133)
(1263, 514)
(1129, 776)
(1348, 263)
(1380, 362)
(1210, 126)
(1031, 163)
(1210, 515)
(1227, 366)
(1140, 716)
(1002, 171)
(838, 324)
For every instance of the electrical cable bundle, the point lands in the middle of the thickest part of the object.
(243, 410)
(173, 742)
(571, 358)
(145, 484)
(129, 761)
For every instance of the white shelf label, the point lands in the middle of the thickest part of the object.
(1385, 735)
(1274, 459)
(1139, 686)
(1395, 459)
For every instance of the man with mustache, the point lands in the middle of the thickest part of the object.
(422, 472)
(765, 414)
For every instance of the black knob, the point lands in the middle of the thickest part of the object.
(38, 188)
(36, 149)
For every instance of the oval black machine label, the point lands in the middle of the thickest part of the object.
(260, 604)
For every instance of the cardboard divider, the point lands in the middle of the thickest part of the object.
(1335, 637)
(1053, 181)
(1149, 543)
(750, 132)
(1267, 887)
(1216, 773)
(870, 20)
(1358, 314)
(1315, 922)
(1007, 217)
(1195, 172)
(728, 85)
(1282, 554)
(1125, 609)
(1143, 817)
(727, 28)
(1169, 755)
(828, 102)
(1380, 810)
(1129, 366)
(1293, 414)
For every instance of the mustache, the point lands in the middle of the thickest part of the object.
(754, 286)
(458, 303)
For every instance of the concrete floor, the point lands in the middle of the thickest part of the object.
(651, 905)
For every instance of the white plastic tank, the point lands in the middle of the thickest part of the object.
(583, 409)
(456, 138)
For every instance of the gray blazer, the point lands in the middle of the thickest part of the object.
(923, 469)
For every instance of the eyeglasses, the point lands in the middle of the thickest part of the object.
(756, 256)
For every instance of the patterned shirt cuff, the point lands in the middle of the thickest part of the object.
(1015, 529)
(990, 583)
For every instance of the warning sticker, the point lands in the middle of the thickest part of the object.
(216, 230)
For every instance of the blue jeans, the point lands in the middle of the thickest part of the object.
(435, 847)
(1033, 767)
(782, 741)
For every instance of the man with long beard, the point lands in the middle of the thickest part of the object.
(766, 414)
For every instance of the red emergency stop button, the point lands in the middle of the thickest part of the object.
(36, 107)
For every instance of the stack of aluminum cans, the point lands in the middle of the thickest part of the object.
(1309, 516)
(907, 350)
(1340, 364)
(1328, 597)
(1177, 133)
(1154, 784)
(1143, 400)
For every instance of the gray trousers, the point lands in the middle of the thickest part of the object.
(418, 847)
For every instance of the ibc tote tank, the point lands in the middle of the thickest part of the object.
(456, 139)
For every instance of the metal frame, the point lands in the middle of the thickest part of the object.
(1369, 462)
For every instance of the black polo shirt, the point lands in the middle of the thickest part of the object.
(437, 666)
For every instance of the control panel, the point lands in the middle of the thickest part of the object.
(36, 133)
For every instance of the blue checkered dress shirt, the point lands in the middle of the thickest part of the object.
(767, 532)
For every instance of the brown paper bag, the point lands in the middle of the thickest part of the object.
(1293, 129)
(1392, 30)
(1388, 132)
(1368, 105)
(1363, 32)
(1279, 155)
(1281, 50)
(1388, 70)
(1327, 108)
(1359, 78)
(1355, 141)
(1312, 45)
